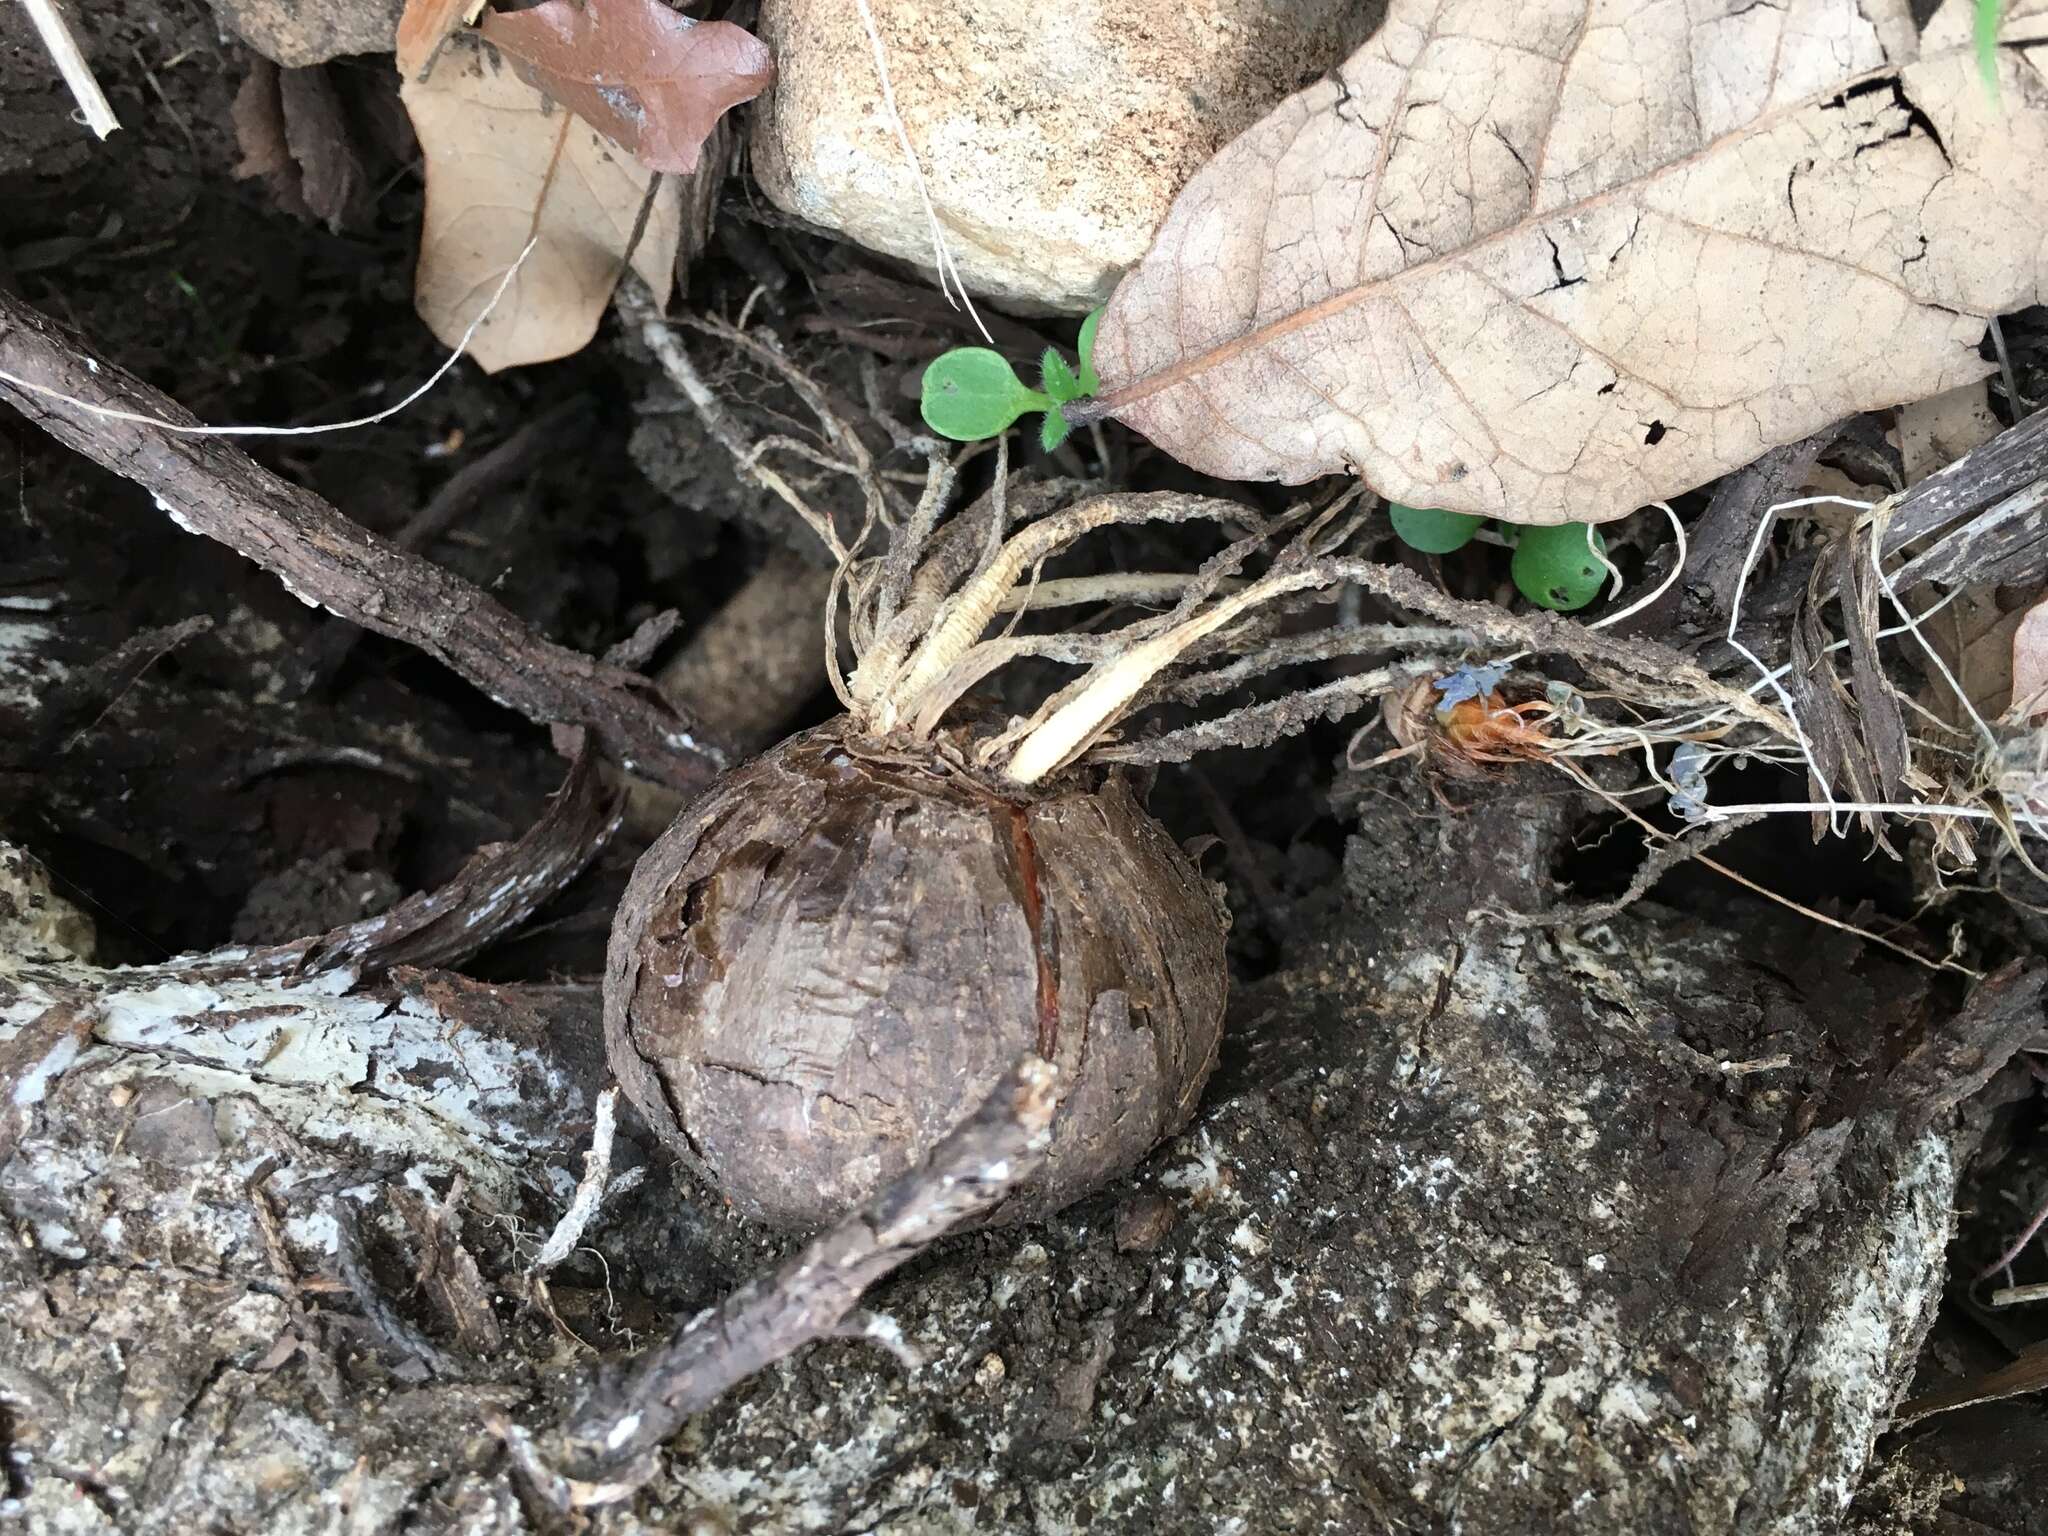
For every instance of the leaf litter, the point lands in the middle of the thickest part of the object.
(1457, 268)
(540, 153)
(650, 79)
(292, 132)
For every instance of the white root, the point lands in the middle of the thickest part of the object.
(882, 657)
(1121, 587)
(968, 614)
(70, 61)
(992, 655)
(675, 362)
(1096, 707)
(597, 1173)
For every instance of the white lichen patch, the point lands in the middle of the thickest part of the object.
(1204, 1178)
(396, 1084)
(27, 669)
(1855, 1358)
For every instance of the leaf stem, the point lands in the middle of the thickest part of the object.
(1086, 412)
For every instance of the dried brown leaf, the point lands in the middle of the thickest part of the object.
(1977, 640)
(259, 123)
(1552, 261)
(293, 132)
(330, 172)
(505, 166)
(1935, 432)
(425, 25)
(654, 80)
(2030, 665)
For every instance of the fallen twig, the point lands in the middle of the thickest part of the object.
(70, 61)
(354, 1272)
(1661, 860)
(814, 1292)
(319, 1362)
(1982, 478)
(80, 701)
(2028, 1373)
(209, 486)
(436, 1071)
(1657, 836)
(498, 889)
(447, 1271)
(558, 430)
(1698, 609)
(597, 1171)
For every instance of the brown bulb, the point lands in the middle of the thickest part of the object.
(834, 955)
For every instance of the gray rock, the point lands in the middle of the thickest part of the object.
(1634, 1228)
(296, 33)
(1053, 138)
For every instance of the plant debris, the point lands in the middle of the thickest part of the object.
(1609, 309)
(650, 79)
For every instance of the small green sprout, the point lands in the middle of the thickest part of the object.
(973, 392)
(1090, 384)
(1433, 531)
(1561, 567)
(1988, 12)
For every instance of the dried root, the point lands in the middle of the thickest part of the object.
(937, 604)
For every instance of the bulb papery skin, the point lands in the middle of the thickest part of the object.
(836, 953)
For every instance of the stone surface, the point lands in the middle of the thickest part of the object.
(1481, 1231)
(34, 920)
(1053, 137)
(296, 33)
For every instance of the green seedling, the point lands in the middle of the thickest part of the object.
(1562, 567)
(1987, 43)
(1432, 531)
(1090, 384)
(972, 392)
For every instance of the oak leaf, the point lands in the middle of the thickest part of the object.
(1935, 432)
(654, 80)
(506, 166)
(1551, 261)
(424, 25)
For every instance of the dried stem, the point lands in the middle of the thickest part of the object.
(597, 1172)
(209, 486)
(70, 61)
(811, 1295)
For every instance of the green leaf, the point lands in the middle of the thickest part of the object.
(1559, 567)
(1057, 379)
(1053, 432)
(1432, 531)
(1090, 384)
(971, 393)
(1987, 43)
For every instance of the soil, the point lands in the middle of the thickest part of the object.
(1638, 1225)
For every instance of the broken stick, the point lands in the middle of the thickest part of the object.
(812, 1294)
(70, 61)
(209, 486)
